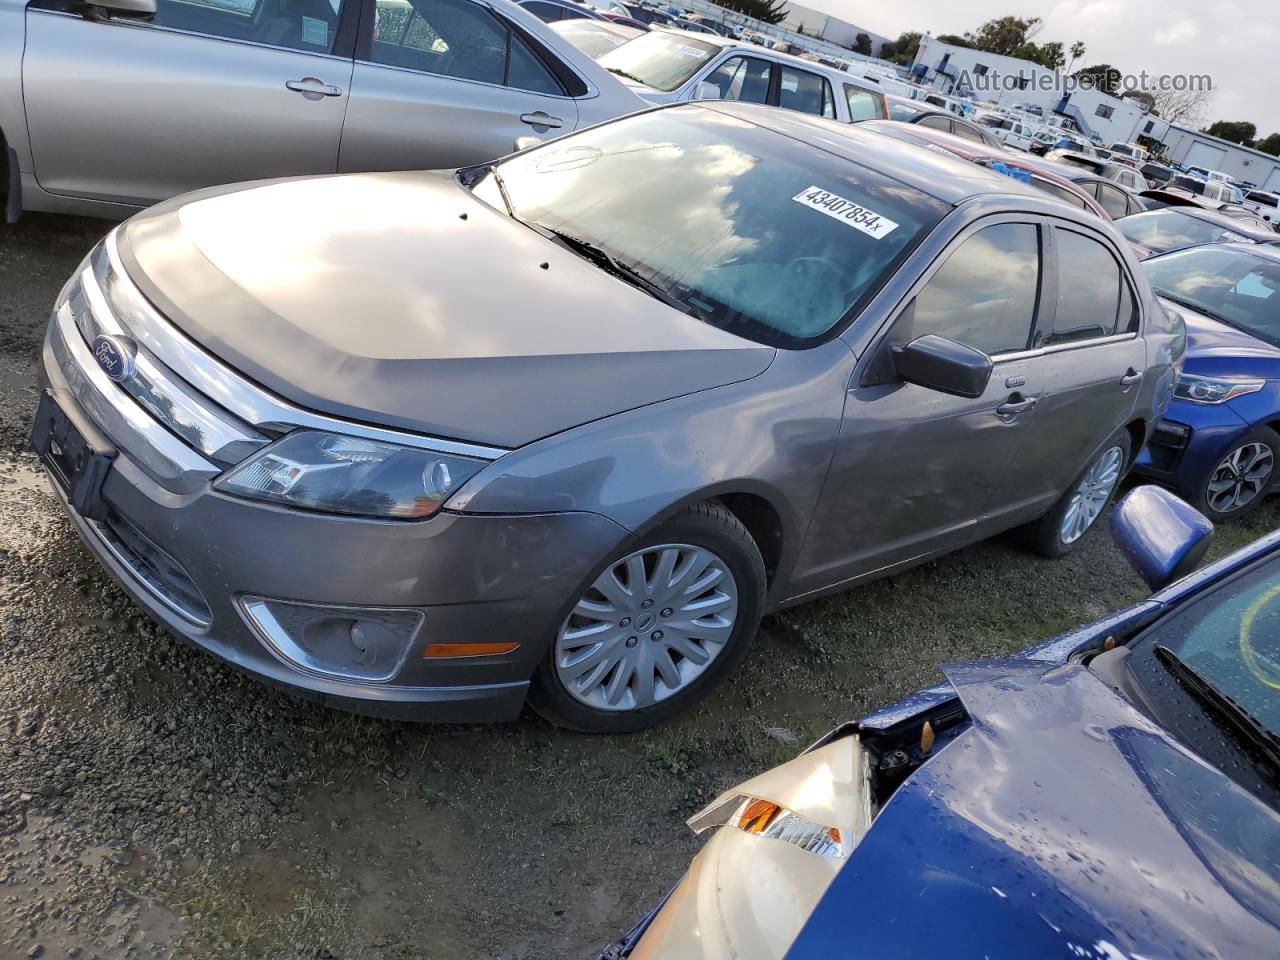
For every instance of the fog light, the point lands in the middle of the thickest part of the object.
(348, 643)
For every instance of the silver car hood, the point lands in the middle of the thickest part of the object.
(401, 300)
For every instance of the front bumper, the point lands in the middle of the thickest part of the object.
(484, 578)
(1188, 442)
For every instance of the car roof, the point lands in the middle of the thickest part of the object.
(1226, 222)
(941, 176)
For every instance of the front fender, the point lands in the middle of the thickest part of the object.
(772, 436)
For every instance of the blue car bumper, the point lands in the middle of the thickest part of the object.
(1189, 442)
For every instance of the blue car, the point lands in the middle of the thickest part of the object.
(1218, 443)
(1113, 793)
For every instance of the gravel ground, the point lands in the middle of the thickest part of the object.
(156, 803)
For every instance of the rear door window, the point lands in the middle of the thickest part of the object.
(984, 295)
(805, 91)
(863, 104)
(1114, 201)
(1090, 284)
(937, 121)
(457, 38)
(743, 78)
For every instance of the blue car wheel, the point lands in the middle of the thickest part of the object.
(1241, 479)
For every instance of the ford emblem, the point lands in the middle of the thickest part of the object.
(114, 356)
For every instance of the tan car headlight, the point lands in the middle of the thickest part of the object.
(780, 839)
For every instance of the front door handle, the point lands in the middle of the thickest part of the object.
(541, 119)
(313, 88)
(1015, 405)
(1130, 378)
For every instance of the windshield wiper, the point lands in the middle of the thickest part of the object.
(1244, 723)
(607, 261)
(502, 189)
(626, 76)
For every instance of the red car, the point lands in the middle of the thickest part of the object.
(1020, 166)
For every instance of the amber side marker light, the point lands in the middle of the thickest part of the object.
(444, 650)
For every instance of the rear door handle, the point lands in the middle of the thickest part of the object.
(540, 119)
(1011, 408)
(313, 87)
(1130, 378)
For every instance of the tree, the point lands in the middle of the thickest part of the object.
(954, 41)
(1077, 51)
(766, 11)
(1011, 37)
(1270, 144)
(1101, 76)
(1143, 97)
(1237, 131)
(862, 44)
(1005, 35)
(903, 50)
(1183, 107)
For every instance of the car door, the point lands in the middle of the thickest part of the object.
(1092, 358)
(446, 83)
(915, 471)
(204, 92)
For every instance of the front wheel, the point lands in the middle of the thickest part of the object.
(1059, 531)
(665, 621)
(1241, 479)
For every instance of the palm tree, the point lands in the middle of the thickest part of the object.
(1077, 51)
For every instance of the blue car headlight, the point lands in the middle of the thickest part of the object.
(1199, 389)
(334, 473)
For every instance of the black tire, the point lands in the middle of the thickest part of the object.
(1200, 495)
(710, 526)
(1045, 536)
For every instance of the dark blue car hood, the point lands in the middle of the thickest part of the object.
(1061, 823)
(1215, 349)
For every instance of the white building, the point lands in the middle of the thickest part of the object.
(1009, 81)
(1193, 148)
(815, 23)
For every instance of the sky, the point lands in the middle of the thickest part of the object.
(1236, 42)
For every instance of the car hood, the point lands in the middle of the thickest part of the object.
(1061, 823)
(401, 300)
(1216, 349)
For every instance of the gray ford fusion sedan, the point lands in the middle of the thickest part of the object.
(563, 427)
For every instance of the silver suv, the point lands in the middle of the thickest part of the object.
(107, 108)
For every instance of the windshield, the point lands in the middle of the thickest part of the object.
(1231, 638)
(1163, 230)
(758, 234)
(660, 60)
(589, 38)
(1233, 285)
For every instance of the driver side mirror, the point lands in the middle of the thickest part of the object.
(706, 91)
(1163, 537)
(943, 365)
(140, 9)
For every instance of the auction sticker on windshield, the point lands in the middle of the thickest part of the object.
(846, 211)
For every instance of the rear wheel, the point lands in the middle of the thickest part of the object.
(1059, 531)
(1242, 477)
(666, 620)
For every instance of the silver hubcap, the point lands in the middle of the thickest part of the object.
(1091, 494)
(1239, 478)
(647, 628)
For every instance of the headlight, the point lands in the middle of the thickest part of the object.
(340, 474)
(1213, 390)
